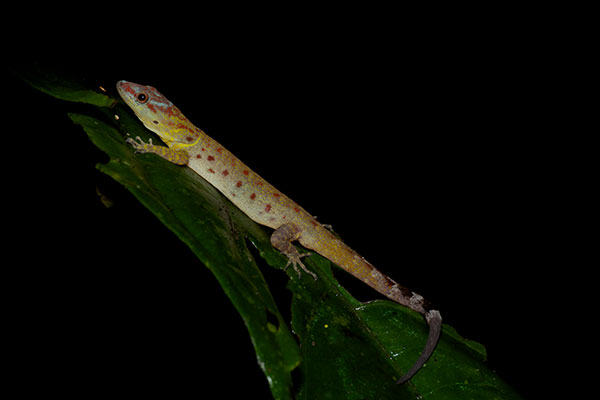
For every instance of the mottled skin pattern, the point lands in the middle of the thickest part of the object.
(188, 145)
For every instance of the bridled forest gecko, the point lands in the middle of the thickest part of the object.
(188, 145)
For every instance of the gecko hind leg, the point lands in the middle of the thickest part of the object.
(282, 240)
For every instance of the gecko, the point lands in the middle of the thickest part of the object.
(187, 145)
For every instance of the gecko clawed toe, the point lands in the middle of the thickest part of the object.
(294, 261)
(136, 143)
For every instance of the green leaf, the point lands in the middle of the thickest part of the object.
(345, 349)
(214, 229)
(55, 84)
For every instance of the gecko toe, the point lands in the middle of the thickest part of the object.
(295, 262)
(306, 269)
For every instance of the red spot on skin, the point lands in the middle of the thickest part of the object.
(267, 208)
(203, 149)
(211, 171)
(253, 196)
(296, 209)
(225, 173)
(127, 87)
(259, 183)
(185, 127)
(151, 107)
(276, 194)
(245, 172)
(239, 184)
(189, 138)
(198, 156)
(211, 158)
(314, 223)
(219, 149)
(167, 110)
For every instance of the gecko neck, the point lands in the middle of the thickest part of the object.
(186, 142)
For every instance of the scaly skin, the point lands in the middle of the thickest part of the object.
(189, 145)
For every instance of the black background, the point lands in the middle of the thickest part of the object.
(434, 157)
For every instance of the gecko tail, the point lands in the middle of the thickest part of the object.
(434, 320)
(342, 255)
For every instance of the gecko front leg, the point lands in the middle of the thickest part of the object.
(282, 240)
(178, 157)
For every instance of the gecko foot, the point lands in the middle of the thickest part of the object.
(294, 261)
(138, 144)
(282, 239)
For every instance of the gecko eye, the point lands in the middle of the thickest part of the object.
(142, 98)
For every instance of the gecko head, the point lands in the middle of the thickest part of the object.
(158, 114)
